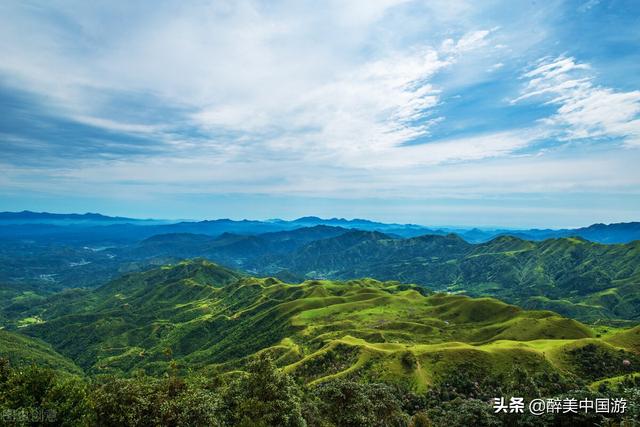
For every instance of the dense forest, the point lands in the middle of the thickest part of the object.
(263, 395)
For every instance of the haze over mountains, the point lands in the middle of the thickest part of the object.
(88, 227)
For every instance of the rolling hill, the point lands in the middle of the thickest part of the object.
(572, 276)
(207, 318)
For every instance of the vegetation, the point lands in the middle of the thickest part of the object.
(195, 343)
(23, 351)
(572, 276)
(208, 317)
(264, 395)
(569, 275)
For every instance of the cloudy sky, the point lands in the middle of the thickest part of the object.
(440, 112)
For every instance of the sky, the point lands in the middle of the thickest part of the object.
(441, 112)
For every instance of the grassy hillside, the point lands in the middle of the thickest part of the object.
(205, 317)
(572, 276)
(21, 350)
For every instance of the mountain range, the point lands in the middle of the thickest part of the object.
(571, 275)
(93, 228)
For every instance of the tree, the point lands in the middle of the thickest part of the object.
(146, 401)
(263, 396)
(41, 395)
(353, 404)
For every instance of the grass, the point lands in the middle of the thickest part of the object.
(32, 320)
(612, 382)
(316, 330)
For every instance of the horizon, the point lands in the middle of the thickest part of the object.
(484, 115)
(329, 218)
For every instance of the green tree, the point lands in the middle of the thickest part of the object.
(145, 401)
(43, 396)
(263, 396)
(521, 384)
(353, 404)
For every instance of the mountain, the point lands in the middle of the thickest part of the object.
(403, 230)
(360, 253)
(229, 248)
(49, 264)
(207, 318)
(194, 343)
(91, 228)
(623, 232)
(609, 233)
(95, 228)
(570, 275)
(29, 217)
(21, 350)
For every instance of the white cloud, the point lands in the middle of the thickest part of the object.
(279, 100)
(585, 110)
(271, 78)
(293, 97)
(112, 125)
(567, 173)
(362, 117)
(459, 150)
(470, 41)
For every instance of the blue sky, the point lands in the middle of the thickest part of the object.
(492, 113)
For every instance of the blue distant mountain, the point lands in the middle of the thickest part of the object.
(46, 217)
(94, 227)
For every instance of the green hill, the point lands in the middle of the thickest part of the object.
(572, 276)
(205, 317)
(21, 350)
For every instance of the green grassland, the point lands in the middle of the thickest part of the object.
(572, 276)
(205, 318)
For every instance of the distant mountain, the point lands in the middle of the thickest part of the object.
(92, 256)
(29, 217)
(95, 228)
(609, 233)
(121, 231)
(229, 248)
(359, 253)
(623, 232)
(50, 257)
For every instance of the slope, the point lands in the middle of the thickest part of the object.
(204, 317)
(570, 275)
(21, 350)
